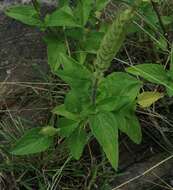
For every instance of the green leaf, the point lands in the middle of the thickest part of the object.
(76, 142)
(72, 102)
(119, 84)
(61, 17)
(146, 99)
(81, 57)
(171, 59)
(133, 128)
(76, 75)
(169, 87)
(61, 110)
(152, 72)
(54, 49)
(62, 3)
(67, 126)
(161, 43)
(105, 129)
(101, 4)
(129, 124)
(49, 131)
(25, 14)
(92, 41)
(83, 10)
(75, 102)
(32, 142)
(75, 33)
(112, 103)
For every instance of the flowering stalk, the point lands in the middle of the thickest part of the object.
(115, 37)
(112, 43)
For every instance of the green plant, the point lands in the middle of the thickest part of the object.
(80, 50)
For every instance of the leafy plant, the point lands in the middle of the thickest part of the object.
(96, 105)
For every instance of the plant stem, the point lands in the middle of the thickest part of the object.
(94, 91)
(112, 43)
(155, 8)
(36, 6)
(93, 178)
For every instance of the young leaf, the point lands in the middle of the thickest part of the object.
(146, 99)
(67, 126)
(49, 131)
(82, 11)
(61, 17)
(119, 84)
(152, 72)
(61, 110)
(25, 14)
(76, 142)
(105, 129)
(34, 141)
(54, 49)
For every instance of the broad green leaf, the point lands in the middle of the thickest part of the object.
(105, 129)
(152, 72)
(75, 102)
(54, 49)
(25, 14)
(119, 84)
(61, 110)
(128, 123)
(76, 142)
(66, 126)
(32, 142)
(146, 99)
(72, 102)
(76, 75)
(133, 128)
(89, 110)
(83, 10)
(61, 17)
(112, 103)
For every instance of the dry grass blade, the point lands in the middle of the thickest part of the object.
(144, 173)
